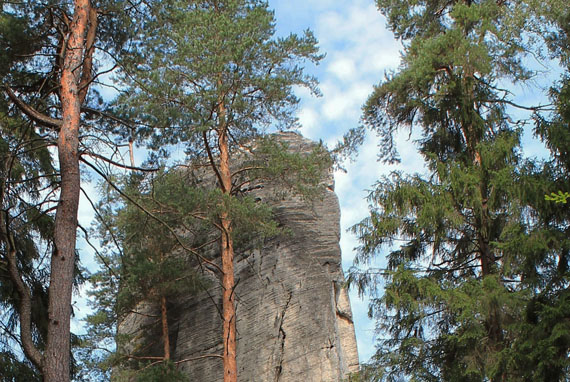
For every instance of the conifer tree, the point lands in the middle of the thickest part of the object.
(48, 66)
(544, 343)
(26, 168)
(147, 262)
(460, 239)
(211, 75)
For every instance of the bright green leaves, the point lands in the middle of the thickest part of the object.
(560, 197)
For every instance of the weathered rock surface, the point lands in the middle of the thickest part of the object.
(294, 317)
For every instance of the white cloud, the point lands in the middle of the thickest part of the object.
(309, 120)
(343, 68)
(344, 102)
(357, 33)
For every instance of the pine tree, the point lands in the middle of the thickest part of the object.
(210, 75)
(461, 239)
(48, 67)
(150, 261)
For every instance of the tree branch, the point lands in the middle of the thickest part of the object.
(86, 74)
(212, 162)
(168, 227)
(24, 309)
(32, 113)
(117, 164)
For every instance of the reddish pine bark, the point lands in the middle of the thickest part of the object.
(227, 251)
(56, 365)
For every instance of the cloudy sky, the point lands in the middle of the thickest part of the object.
(359, 49)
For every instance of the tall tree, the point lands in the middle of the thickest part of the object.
(212, 75)
(457, 286)
(54, 361)
(46, 82)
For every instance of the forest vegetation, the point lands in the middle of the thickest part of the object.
(476, 286)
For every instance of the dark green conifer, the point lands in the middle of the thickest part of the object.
(462, 240)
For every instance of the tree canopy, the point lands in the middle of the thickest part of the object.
(211, 77)
(469, 255)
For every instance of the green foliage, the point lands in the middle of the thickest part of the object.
(152, 265)
(193, 55)
(14, 370)
(17, 39)
(162, 371)
(471, 246)
(294, 170)
(560, 197)
(27, 183)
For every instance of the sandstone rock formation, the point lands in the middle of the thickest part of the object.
(294, 317)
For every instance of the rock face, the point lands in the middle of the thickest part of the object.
(294, 320)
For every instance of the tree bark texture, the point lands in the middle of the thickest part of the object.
(56, 365)
(227, 252)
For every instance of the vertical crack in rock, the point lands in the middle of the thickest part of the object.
(340, 310)
(281, 339)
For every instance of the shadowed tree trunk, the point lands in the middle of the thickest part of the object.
(165, 333)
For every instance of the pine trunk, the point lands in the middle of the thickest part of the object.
(56, 363)
(165, 334)
(227, 250)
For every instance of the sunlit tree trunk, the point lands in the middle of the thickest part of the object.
(57, 355)
(227, 250)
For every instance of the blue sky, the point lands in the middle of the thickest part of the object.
(359, 49)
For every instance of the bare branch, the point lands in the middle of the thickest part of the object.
(212, 162)
(86, 74)
(117, 164)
